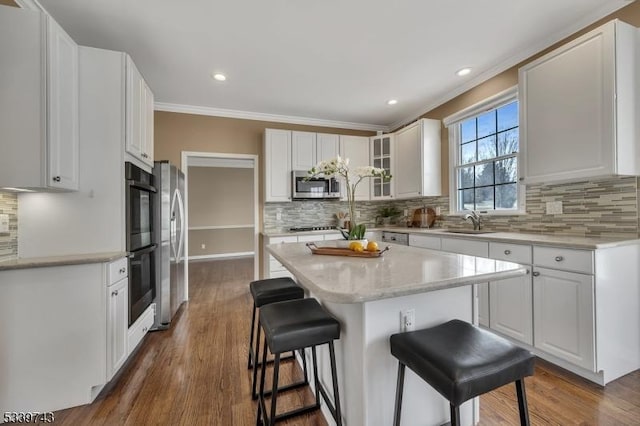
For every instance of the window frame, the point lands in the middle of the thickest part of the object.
(452, 123)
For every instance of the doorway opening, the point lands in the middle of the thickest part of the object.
(222, 210)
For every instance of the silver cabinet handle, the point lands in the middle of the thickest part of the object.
(559, 258)
(507, 252)
(536, 274)
(114, 293)
(56, 179)
(123, 270)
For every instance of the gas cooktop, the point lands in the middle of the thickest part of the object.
(311, 228)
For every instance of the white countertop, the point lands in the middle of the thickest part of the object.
(75, 259)
(400, 271)
(555, 240)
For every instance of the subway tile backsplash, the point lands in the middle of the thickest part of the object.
(596, 208)
(9, 242)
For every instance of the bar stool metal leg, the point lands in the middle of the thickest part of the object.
(254, 395)
(252, 355)
(455, 415)
(274, 389)
(261, 407)
(336, 396)
(399, 390)
(522, 403)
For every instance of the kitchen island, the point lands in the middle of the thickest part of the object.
(369, 296)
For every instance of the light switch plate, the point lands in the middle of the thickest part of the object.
(4, 223)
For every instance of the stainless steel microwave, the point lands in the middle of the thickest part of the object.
(317, 187)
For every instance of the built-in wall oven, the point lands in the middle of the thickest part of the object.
(140, 245)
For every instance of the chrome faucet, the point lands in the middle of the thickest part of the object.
(475, 218)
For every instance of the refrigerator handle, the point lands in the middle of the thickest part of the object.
(181, 224)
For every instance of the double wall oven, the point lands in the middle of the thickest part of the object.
(140, 192)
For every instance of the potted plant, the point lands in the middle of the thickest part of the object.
(386, 213)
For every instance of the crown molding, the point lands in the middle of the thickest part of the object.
(259, 116)
(521, 56)
(31, 5)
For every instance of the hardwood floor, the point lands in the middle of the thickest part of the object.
(196, 373)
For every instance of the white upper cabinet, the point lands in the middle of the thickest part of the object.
(381, 150)
(356, 149)
(39, 103)
(277, 158)
(327, 146)
(139, 114)
(417, 160)
(579, 108)
(303, 150)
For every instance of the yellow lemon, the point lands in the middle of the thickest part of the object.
(356, 246)
(372, 246)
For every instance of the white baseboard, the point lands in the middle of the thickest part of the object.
(222, 256)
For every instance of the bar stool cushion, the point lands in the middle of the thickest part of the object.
(461, 361)
(273, 290)
(297, 324)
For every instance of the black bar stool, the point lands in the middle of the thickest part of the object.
(264, 292)
(461, 361)
(292, 325)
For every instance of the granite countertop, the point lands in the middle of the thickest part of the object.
(74, 259)
(555, 240)
(401, 271)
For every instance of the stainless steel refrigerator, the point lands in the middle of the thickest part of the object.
(170, 237)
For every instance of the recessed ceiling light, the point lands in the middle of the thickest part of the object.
(463, 71)
(392, 102)
(219, 77)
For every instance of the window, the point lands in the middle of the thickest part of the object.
(484, 156)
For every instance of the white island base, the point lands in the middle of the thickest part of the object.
(367, 372)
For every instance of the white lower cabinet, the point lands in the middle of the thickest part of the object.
(117, 315)
(563, 315)
(140, 328)
(473, 248)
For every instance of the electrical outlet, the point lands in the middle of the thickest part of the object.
(438, 211)
(278, 216)
(4, 223)
(357, 214)
(554, 207)
(408, 320)
(203, 246)
(405, 212)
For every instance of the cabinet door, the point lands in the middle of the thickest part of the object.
(381, 157)
(511, 309)
(473, 248)
(147, 124)
(563, 315)
(408, 155)
(277, 145)
(356, 149)
(327, 146)
(303, 150)
(117, 325)
(134, 110)
(62, 108)
(567, 110)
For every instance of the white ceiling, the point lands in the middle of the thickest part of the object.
(336, 60)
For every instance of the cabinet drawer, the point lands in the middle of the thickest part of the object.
(305, 238)
(564, 259)
(274, 265)
(278, 240)
(425, 241)
(511, 252)
(140, 328)
(468, 247)
(117, 270)
(335, 236)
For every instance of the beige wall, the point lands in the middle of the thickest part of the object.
(218, 241)
(220, 196)
(507, 79)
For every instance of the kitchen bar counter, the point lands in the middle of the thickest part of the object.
(553, 240)
(400, 271)
(370, 297)
(76, 259)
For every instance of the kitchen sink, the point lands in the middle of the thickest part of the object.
(468, 231)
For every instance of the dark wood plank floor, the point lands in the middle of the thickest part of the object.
(195, 373)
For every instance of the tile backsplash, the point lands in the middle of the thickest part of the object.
(596, 208)
(9, 242)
